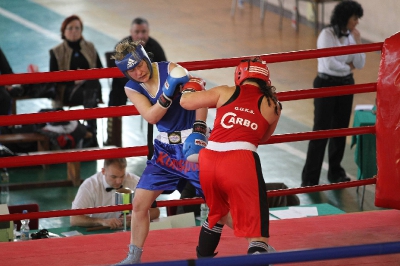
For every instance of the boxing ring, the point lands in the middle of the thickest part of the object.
(387, 180)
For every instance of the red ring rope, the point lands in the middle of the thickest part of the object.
(131, 110)
(69, 75)
(179, 202)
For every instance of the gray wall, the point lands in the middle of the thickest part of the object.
(378, 23)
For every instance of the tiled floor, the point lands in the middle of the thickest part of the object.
(188, 32)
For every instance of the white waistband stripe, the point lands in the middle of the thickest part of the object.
(230, 146)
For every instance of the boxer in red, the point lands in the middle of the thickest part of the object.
(230, 168)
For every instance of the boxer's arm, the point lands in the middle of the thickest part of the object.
(201, 99)
(194, 85)
(151, 113)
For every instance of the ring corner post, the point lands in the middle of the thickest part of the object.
(388, 125)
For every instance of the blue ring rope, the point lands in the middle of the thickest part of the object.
(292, 256)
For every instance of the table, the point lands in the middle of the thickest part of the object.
(365, 152)
(315, 8)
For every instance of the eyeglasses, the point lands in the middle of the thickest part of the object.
(73, 28)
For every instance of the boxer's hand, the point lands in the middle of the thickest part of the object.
(193, 85)
(195, 142)
(178, 76)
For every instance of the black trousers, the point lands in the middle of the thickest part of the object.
(117, 96)
(329, 113)
(5, 101)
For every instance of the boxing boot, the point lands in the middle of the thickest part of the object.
(133, 256)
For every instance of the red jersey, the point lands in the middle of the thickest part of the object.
(240, 119)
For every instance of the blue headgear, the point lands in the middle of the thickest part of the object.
(131, 60)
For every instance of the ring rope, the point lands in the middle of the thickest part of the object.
(113, 72)
(285, 56)
(73, 156)
(320, 134)
(326, 92)
(82, 155)
(281, 257)
(179, 202)
(57, 116)
(91, 113)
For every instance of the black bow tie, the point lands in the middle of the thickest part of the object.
(341, 34)
(111, 188)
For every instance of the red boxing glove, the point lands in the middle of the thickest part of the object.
(194, 84)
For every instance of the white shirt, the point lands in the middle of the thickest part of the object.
(337, 65)
(92, 193)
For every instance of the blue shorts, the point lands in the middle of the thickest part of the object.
(169, 171)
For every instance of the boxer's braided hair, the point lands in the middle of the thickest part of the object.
(269, 92)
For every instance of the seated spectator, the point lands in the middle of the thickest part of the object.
(99, 190)
(76, 53)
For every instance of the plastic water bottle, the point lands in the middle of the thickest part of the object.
(5, 179)
(203, 212)
(24, 227)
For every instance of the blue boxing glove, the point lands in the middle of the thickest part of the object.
(177, 77)
(195, 142)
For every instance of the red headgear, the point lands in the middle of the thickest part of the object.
(252, 68)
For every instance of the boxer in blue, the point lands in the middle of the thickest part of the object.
(155, 90)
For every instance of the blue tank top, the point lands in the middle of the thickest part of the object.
(176, 118)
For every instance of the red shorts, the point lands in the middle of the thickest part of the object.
(232, 181)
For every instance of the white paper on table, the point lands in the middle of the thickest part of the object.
(295, 212)
(71, 233)
(287, 214)
(363, 107)
(307, 211)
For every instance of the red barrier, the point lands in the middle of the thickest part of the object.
(388, 126)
